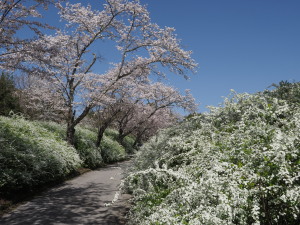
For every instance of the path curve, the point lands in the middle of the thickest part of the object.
(82, 200)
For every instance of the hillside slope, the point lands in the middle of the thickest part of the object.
(238, 164)
(35, 153)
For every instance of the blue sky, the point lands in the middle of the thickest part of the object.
(245, 45)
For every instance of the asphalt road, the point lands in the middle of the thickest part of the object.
(82, 200)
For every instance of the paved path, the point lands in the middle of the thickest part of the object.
(82, 200)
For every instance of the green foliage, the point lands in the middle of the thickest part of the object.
(285, 91)
(8, 99)
(128, 142)
(31, 156)
(85, 140)
(112, 151)
(57, 129)
(238, 164)
(112, 134)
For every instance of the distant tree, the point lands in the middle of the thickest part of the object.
(8, 97)
(161, 119)
(135, 103)
(153, 111)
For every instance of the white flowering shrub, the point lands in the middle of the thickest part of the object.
(112, 151)
(34, 153)
(85, 140)
(238, 164)
(30, 156)
(127, 142)
(85, 144)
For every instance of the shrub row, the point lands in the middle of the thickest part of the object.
(31, 155)
(237, 164)
(36, 153)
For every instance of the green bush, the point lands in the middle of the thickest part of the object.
(238, 164)
(127, 142)
(36, 153)
(85, 140)
(57, 129)
(30, 155)
(285, 90)
(112, 151)
(112, 134)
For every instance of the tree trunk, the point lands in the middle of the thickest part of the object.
(72, 122)
(101, 131)
(105, 125)
(121, 136)
(138, 138)
(121, 139)
(71, 125)
(71, 134)
(137, 141)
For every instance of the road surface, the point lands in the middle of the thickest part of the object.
(82, 200)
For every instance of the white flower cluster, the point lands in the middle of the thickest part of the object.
(238, 164)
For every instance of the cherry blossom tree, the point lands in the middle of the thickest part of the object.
(67, 57)
(136, 103)
(106, 113)
(39, 100)
(158, 99)
(163, 118)
(16, 15)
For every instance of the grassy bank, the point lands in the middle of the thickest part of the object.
(35, 154)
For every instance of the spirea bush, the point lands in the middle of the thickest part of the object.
(85, 143)
(237, 164)
(30, 156)
(128, 143)
(85, 140)
(112, 151)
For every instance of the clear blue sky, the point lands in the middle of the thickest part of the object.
(245, 45)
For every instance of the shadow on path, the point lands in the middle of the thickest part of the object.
(78, 201)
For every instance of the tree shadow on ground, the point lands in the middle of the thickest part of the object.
(69, 204)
